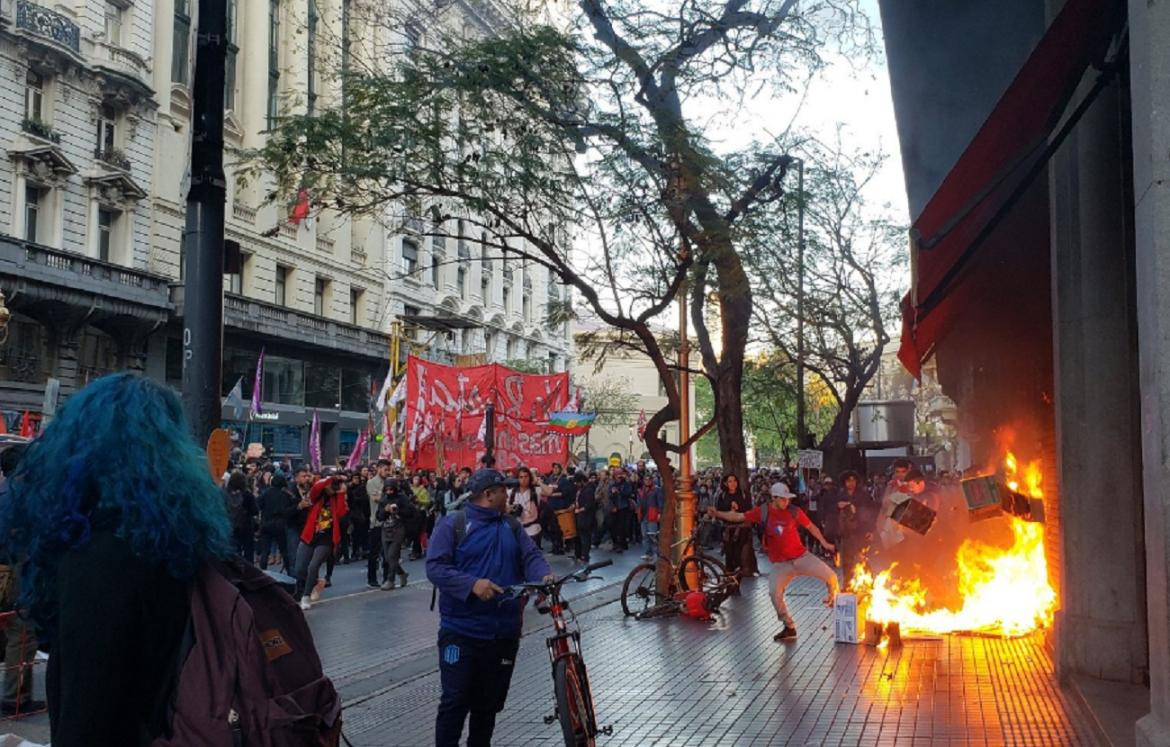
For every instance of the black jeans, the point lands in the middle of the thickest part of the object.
(620, 529)
(374, 557)
(584, 542)
(475, 675)
(269, 534)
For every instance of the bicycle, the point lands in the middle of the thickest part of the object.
(640, 591)
(574, 708)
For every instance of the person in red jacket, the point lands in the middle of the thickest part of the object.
(782, 524)
(321, 535)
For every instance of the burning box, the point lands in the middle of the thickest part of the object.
(983, 498)
(846, 619)
(987, 497)
(913, 513)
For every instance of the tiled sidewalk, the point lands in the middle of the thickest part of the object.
(679, 682)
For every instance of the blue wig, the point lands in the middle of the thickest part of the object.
(121, 446)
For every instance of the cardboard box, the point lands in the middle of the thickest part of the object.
(846, 619)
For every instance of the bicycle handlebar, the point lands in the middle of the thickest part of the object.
(581, 574)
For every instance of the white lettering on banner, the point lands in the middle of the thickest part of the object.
(266, 416)
(810, 459)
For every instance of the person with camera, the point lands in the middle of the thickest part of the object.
(395, 512)
(321, 535)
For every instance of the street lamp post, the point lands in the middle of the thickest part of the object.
(800, 403)
(684, 518)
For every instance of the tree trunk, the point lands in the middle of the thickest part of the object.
(735, 307)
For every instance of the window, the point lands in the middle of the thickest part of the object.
(510, 347)
(320, 296)
(113, 24)
(409, 256)
(410, 327)
(526, 307)
(233, 282)
(34, 96)
(461, 280)
(106, 129)
(105, 233)
(273, 60)
(33, 204)
(281, 285)
(487, 344)
(183, 255)
(436, 265)
(180, 69)
(355, 305)
(507, 297)
(552, 363)
(229, 83)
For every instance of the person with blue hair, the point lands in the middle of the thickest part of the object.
(114, 509)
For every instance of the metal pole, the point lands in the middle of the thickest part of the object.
(800, 403)
(204, 261)
(684, 518)
(489, 437)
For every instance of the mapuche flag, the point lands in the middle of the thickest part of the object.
(573, 423)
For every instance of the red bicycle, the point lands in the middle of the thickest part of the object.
(570, 681)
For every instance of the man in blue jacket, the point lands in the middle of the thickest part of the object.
(473, 554)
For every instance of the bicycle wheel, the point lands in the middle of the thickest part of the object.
(639, 592)
(574, 702)
(710, 572)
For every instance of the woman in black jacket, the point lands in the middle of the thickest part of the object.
(115, 509)
(738, 553)
(277, 505)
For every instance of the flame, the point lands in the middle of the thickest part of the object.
(1003, 590)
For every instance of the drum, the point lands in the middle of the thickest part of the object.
(566, 520)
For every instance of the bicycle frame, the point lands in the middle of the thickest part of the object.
(563, 642)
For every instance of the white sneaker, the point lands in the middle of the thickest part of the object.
(305, 603)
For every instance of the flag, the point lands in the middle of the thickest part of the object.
(355, 456)
(257, 385)
(26, 426)
(399, 395)
(235, 398)
(300, 209)
(573, 423)
(482, 435)
(388, 440)
(3, 425)
(574, 404)
(315, 443)
(380, 400)
(642, 423)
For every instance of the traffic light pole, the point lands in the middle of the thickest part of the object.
(204, 256)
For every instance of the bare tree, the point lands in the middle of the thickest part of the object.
(849, 291)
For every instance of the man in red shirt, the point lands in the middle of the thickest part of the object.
(782, 522)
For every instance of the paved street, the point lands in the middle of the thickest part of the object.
(679, 682)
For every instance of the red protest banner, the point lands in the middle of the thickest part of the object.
(446, 404)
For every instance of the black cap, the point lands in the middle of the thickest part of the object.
(486, 479)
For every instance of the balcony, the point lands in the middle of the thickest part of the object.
(126, 75)
(272, 321)
(48, 28)
(242, 212)
(112, 157)
(75, 284)
(37, 128)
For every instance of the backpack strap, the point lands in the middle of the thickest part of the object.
(459, 519)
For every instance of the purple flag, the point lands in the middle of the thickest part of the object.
(355, 457)
(257, 385)
(315, 444)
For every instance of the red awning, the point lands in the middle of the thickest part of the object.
(998, 161)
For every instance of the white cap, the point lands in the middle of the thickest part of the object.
(781, 490)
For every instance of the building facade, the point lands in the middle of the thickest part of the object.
(1034, 139)
(95, 116)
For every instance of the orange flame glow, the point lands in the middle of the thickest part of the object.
(1003, 591)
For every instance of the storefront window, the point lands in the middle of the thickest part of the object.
(347, 440)
(355, 390)
(284, 378)
(322, 385)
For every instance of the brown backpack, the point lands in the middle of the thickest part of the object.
(248, 672)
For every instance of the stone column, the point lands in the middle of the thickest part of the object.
(1149, 29)
(1101, 629)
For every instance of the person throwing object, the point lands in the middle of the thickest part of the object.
(782, 522)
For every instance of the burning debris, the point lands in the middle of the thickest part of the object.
(997, 583)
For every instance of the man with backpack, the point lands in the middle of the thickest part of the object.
(782, 522)
(475, 552)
